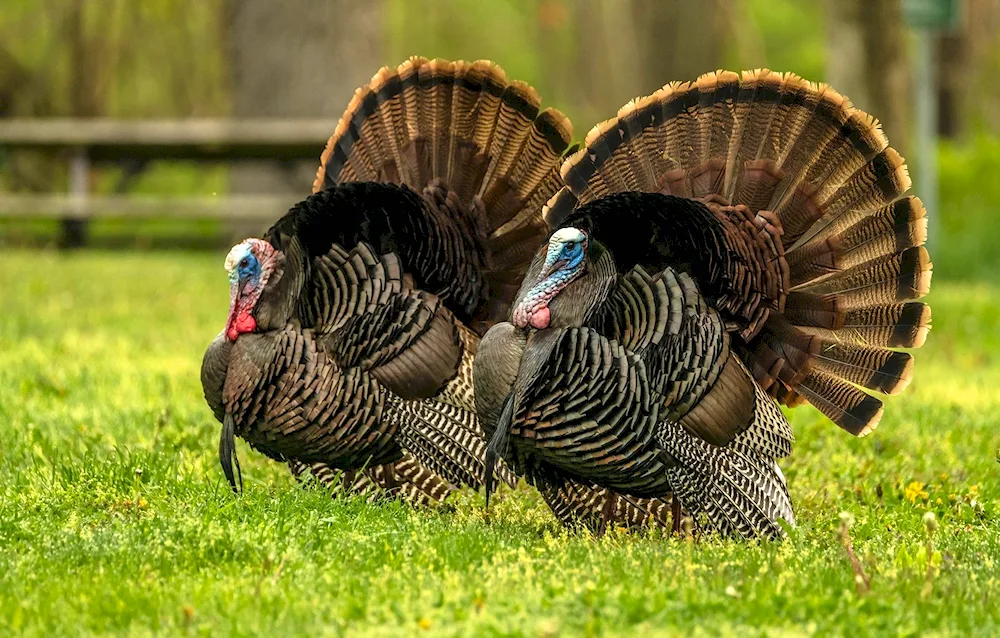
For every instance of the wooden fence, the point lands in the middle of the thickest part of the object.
(84, 142)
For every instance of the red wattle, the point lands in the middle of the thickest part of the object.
(539, 319)
(242, 324)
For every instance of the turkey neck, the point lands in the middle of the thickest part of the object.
(577, 302)
(278, 299)
(498, 360)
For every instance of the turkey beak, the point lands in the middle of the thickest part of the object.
(552, 269)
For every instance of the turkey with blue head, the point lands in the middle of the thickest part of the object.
(354, 320)
(719, 247)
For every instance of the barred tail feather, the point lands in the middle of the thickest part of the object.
(465, 124)
(823, 181)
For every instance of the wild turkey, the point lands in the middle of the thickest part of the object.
(717, 244)
(353, 323)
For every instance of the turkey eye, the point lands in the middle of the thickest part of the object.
(570, 245)
(244, 263)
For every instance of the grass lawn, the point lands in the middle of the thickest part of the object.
(115, 518)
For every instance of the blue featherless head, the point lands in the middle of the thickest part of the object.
(242, 264)
(567, 248)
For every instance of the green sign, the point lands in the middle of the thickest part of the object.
(931, 14)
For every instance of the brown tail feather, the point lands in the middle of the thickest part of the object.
(801, 351)
(898, 277)
(822, 174)
(902, 325)
(463, 124)
(885, 371)
(888, 230)
(841, 402)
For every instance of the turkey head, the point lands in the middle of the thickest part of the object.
(256, 271)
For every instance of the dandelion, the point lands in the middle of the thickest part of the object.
(930, 523)
(914, 491)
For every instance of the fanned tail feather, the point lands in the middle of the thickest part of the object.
(462, 126)
(826, 188)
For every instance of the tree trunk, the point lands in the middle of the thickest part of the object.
(866, 61)
(297, 58)
(969, 61)
(952, 61)
(632, 48)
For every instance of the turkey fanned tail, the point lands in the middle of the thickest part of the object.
(810, 248)
(482, 156)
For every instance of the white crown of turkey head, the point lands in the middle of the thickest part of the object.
(565, 235)
(236, 253)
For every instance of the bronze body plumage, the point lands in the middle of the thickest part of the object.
(355, 321)
(719, 245)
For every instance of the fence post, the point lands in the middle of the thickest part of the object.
(74, 227)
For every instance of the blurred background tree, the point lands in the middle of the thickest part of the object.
(180, 58)
(866, 60)
(297, 58)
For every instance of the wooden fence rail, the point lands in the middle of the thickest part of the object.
(195, 139)
(87, 141)
(252, 207)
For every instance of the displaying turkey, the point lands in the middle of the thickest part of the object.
(353, 323)
(719, 245)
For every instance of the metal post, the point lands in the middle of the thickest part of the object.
(927, 137)
(74, 228)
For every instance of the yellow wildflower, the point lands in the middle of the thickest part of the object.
(914, 491)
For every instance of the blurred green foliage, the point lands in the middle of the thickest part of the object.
(969, 243)
(155, 58)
